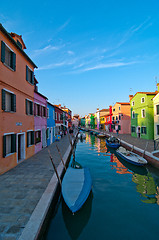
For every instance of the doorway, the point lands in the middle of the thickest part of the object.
(20, 146)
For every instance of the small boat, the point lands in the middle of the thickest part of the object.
(101, 135)
(131, 157)
(81, 135)
(112, 142)
(76, 187)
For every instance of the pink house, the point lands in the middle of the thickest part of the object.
(40, 120)
(121, 117)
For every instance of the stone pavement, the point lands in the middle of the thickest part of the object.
(138, 142)
(22, 187)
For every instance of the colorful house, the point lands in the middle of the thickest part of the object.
(59, 126)
(92, 121)
(142, 115)
(108, 120)
(83, 122)
(50, 124)
(68, 116)
(40, 120)
(16, 101)
(121, 117)
(102, 114)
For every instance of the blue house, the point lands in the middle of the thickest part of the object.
(50, 124)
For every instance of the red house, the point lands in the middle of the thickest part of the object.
(108, 120)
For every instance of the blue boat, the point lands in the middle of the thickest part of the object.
(76, 187)
(112, 142)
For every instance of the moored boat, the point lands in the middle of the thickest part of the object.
(131, 157)
(112, 142)
(76, 187)
(101, 135)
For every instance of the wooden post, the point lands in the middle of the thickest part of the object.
(61, 156)
(54, 167)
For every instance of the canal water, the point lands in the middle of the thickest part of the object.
(123, 204)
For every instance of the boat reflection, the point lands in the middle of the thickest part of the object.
(77, 222)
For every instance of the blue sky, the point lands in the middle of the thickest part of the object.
(89, 53)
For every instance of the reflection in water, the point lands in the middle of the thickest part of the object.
(145, 182)
(77, 222)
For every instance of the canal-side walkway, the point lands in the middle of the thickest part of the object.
(22, 187)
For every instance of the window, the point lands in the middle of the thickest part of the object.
(113, 118)
(119, 108)
(8, 57)
(37, 136)
(143, 114)
(43, 109)
(9, 144)
(157, 129)
(113, 109)
(142, 100)
(55, 115)
(29, 75)
(133, 129)
(133, 103)
(143, 130)
(29, 107)
(117, 118)
(157, 109)
(47, 133)
(8, 101)
(133, 114)
(30, 138)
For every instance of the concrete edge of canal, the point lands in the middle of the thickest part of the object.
(34, 228)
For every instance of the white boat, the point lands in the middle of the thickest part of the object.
(81, 135)
(131, 157)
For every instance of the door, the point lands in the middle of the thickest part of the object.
(20, 146)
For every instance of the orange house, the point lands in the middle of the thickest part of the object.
(16, 101)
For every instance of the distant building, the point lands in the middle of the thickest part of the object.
(50, 134)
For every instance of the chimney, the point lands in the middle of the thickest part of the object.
(130, 97)
(158, 87)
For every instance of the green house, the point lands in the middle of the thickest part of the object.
(142, 115)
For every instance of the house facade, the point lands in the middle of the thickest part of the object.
(50, 124)
(16, 101)
(40, 121)
(102, 114)
(108, 120)
(142, 115)
(121, 117)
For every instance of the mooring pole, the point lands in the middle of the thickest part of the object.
(61, 156)
(54, 167)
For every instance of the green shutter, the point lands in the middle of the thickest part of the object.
(3, 99)
(13, 143)
(32, 137)
(13, 61)
(2, 52)
(26, 72)
(32, 78)
(31, 108)
(27, 139)
(4, 146)
(26, 106)
(13, 102)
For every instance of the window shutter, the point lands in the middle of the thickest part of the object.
(26, 106)
(4, 146)
(35, 109)
(32, 137)
(13, 143)
(2, 52)
(13, 61)
(31, 108)
(27, 139)
(26, 72)
(32, 78)
(3, 99)
(13, 102)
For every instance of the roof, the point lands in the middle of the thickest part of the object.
(147, 93)
(8, 35)
(123, 103)
(104, 110)
(40, 94)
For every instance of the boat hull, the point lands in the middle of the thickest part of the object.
(112, 145)
(76, 187)
(129, 160)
